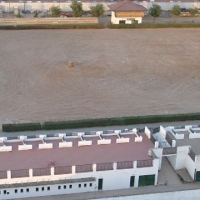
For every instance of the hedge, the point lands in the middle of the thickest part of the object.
(100, 122)
(100, 26)
(21, 127)
(154, 25)
(57, 26)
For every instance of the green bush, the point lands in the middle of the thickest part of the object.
(119, 121)
(57, 26)
(18, 15)
(97, 10)
(21, 127)
(55, 11)
(132, 120)
(35, 14)
(77, 8)
(149, 25)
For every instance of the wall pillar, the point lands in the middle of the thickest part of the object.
(94, 167)
(9, 174)
(73, 169)
(156, 144)
(156, 179)
(173, 143)
(136, 180)
(114, 166)
(31, 173)
(135, 164)
(52, 171)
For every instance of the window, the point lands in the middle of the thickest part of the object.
(85, 185)
(37, 189)
(48, 188)
(65, 187)
(4, 192)
(27, 189)
(15, 190)
(70, 186)
(42, 188)
(59, 187)
(122, 21)
(21, 190)
(90, 184)
(79, 185)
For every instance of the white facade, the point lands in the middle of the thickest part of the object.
(112, 180)
(180, 147)
(116, 20)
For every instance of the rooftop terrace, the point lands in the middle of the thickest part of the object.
(73, 149)
(186, 136)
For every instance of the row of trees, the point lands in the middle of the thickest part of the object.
(77, 9)
(155, 11)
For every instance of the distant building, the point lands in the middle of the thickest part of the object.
(126, 12)
(78, 162)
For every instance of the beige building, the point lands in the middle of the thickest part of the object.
(126, 13)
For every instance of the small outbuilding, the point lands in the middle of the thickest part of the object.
(126, 12)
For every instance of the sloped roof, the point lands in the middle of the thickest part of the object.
(126, 6)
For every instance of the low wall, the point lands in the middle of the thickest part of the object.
(52, 21)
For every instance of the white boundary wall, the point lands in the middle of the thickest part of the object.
(112, 180)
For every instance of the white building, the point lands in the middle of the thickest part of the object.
(126, 12)
(181, 146)
(78, 162)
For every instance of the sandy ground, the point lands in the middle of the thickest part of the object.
(116, 73)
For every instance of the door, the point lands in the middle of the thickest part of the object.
(197, 176)
(100, 184)
(132, 180)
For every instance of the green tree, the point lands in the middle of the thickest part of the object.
(155, 11)
(97, 10)
(193, 12)
(77, 8)
(176, 11)
(55, 11)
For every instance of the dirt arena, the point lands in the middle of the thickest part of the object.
(116, 73)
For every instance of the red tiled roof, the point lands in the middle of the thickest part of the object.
(126, 6)
(39, 158)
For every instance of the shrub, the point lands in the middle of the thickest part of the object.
(18, 15)
(142, 26)
(97, 10)
(56, 26)
(55, 11)
(35, 14)
(132, 120)
(76, 8)
(119, 121)
(21, 127)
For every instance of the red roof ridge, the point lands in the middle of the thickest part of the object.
(125, 5)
